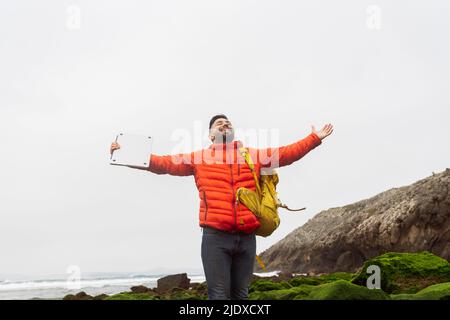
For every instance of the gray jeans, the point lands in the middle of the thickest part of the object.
(228, 260)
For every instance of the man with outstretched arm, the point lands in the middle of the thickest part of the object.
(228, 246)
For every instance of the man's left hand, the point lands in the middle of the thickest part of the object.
(324, 132)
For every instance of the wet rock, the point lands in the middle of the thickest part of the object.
(79, 296)
(166, 284)
(140, 289)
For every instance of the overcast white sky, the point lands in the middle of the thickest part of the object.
(154, 67)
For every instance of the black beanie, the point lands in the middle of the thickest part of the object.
(217, 116)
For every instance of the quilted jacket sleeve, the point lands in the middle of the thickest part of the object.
(176, 165)
(285, 155)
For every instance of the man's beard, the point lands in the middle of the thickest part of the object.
(226, 136)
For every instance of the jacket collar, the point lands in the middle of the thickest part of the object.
(230, 145)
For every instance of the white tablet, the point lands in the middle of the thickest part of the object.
(135, 150)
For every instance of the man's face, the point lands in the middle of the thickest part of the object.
(221, 131)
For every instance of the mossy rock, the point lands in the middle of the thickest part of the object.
(201, 288)
(337, 276)
(184, 295)
(267, 285)
(302, 292)
(403, 296)
(344, 290)
(283, 294)
(439, 291)
(407, 272)
(305, 280)
(131, 296)
(317, 280)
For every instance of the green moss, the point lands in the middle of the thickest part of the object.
(131, 296)
(403, 296)
(344, 290)
(267, 285)
(302, 292)
(407, 272)
(439, 291)
(175, 295)
(337, 276)
(298, 281)
(200, 290)
(317, 280)
(284, 294)
(184, 295)
(337, 290)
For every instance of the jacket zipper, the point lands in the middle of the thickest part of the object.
(234, 197)
(206, 204)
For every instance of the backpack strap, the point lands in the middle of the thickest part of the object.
(261, 263)
(289, 209)
(248, 159)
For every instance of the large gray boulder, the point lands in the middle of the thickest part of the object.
(412, 218)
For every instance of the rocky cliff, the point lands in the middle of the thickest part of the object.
(407, 219)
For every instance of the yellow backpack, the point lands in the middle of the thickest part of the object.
(264, 203)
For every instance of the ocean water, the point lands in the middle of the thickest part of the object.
(56, 287)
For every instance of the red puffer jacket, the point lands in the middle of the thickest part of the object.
(220, 170)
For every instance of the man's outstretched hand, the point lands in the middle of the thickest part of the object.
(324, 132)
